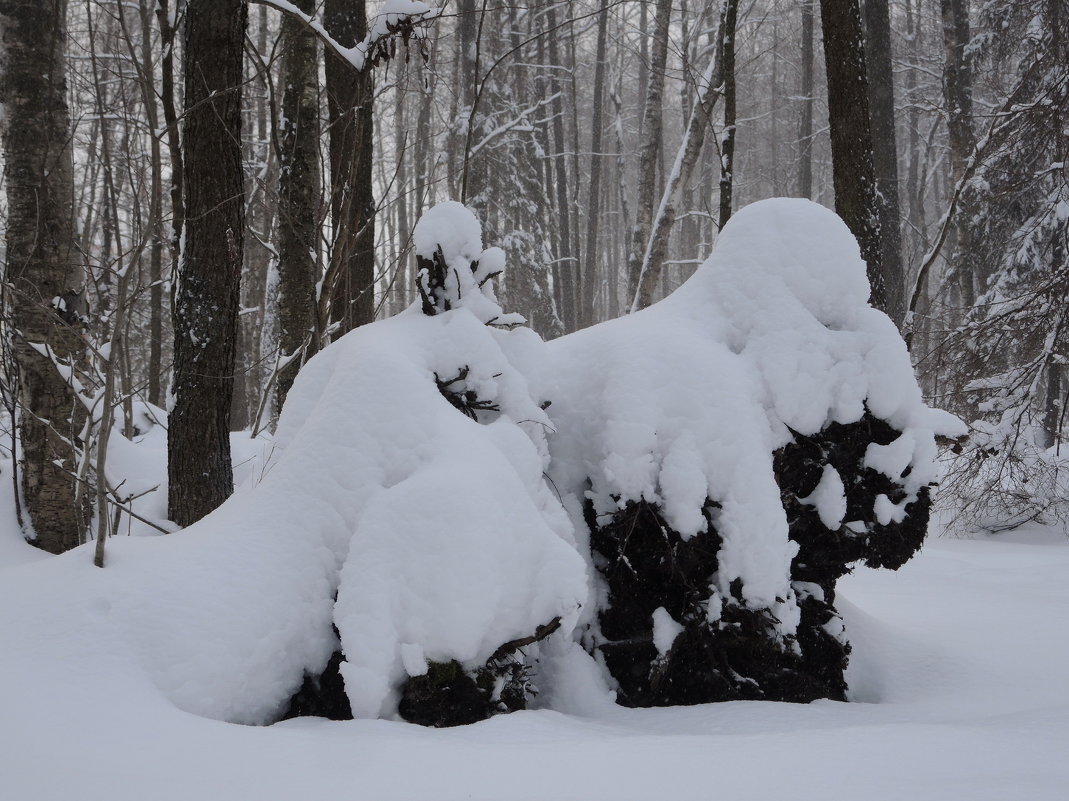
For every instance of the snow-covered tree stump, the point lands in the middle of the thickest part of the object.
(661, 645)
(460, 561)
(732, 451)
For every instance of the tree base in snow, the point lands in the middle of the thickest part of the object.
(322, 696)
(448, 695)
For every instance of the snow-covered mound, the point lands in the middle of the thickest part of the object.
(668, 426)
(690, 398)
(422, 534)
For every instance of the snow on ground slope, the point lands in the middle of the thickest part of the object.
(958, 669)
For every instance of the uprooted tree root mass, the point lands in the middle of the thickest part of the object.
(727, 652)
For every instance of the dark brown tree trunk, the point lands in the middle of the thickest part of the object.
(465, 67)
(885, 151)
(728, 19)
(957, 92)
(851, 135)
(43, 273)
(298, 199)
(199, 471)
(350, 94)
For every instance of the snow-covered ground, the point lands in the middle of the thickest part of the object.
(958, 670)
(402, 504)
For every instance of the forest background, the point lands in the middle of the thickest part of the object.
(201, 195)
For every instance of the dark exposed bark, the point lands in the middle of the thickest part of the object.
(957, 93)
(43, 275)
(350, 95)
(199, 471)
(885, 151)
(647, 566)
(728, 18)
(298, 200)
(851, 136)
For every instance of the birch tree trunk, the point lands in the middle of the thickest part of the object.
(567, 259)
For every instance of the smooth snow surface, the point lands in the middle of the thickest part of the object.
(957, 670)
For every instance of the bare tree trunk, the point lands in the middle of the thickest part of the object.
(728, 23)
(401, 283)
(43, 276)
(168, 37)
(649, 148)
(586, 304)
(465, 67)
(350, 95)
(686, 160)
(257, 255)
(200, 473)
(566, 258)
(851, 135)
(298, 200)
(957, 91)
(885, 151)
(146, 76)
(805, 126)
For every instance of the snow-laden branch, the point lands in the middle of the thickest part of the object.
(518, 122)
(404, 19)
(976, 159)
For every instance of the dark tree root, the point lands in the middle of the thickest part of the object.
(322, 696)
(446, 695)
(449, 695)
(741, 655)
(464, 400)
